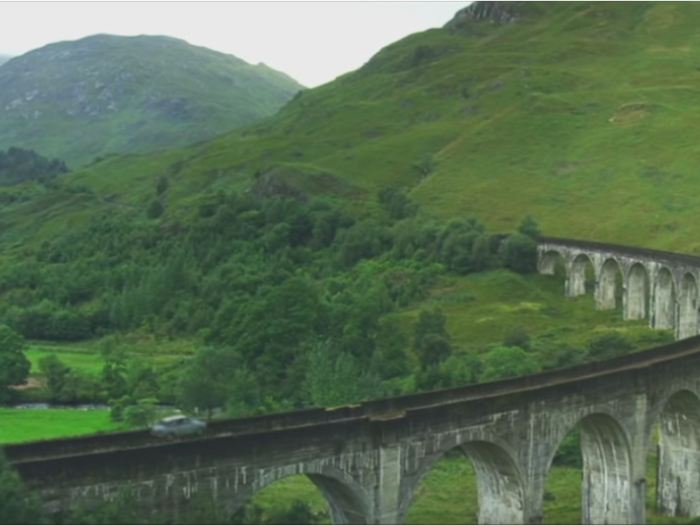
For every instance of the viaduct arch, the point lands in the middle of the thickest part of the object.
(660, 286)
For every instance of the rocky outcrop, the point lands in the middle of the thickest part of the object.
(494, 12)
(269, 185)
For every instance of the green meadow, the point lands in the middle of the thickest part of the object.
(85, 362)
(18, 425)
(89, 360)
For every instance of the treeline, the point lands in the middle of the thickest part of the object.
(203, 275)
(263, 284)
(19, 165)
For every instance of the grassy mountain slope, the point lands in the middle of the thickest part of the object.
(580, 114)
(107, 94)
(4, 58)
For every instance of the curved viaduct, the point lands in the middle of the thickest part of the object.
(369, 459)
(662, 286)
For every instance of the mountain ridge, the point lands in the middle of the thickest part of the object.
(557, 114)
(110, 94)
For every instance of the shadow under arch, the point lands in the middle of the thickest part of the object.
(582, 275)
(500, 488)
(552, 262)
(687, 307)
(345, 497)
(637, 299)
(606, 472)
(664, 312)
(610, 284)
(678, 461)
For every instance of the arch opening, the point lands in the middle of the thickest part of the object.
(581, 278)
(664, 313)
(591, 466)
(298, 498)
(609, 289)
(637, 293)
(674, 476)
(553, 263)
(488, 487)
(688, 307)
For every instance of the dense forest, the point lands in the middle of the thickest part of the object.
(331, 279)
(19, 165)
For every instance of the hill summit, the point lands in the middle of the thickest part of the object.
(107, 94)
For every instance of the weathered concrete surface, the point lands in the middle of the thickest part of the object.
(678, 489)
(636, 293)
(369, 464)
(660, 285)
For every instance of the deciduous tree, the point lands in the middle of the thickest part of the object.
(14, 365)
(509, 361)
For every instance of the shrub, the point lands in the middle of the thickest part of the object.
(521, 253)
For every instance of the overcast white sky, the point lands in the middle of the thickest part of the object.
(313, 41)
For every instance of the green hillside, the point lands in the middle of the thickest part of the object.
(110, 94)
(4, 58)
(369, 238)
(580, 114)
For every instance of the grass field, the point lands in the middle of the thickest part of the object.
(87, 358)
(17, 425)
(482, 308)
(85, 362)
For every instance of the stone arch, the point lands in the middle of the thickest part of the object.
(346, 498)
(576, 278)
(501, 493)
(548, 261)
(664, 313)
(678, 462)
(687, 307)
(637, 292)
(607, 289)
(607, 469)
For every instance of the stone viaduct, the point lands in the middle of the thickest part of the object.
(369, 459)
(662, 286)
